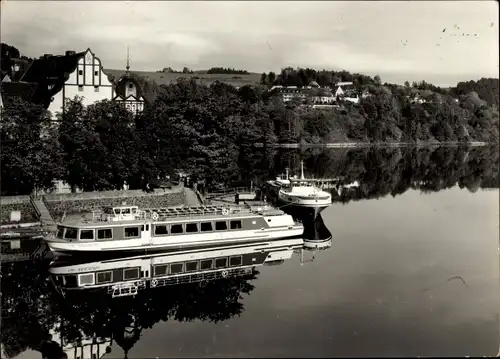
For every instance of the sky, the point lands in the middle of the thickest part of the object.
(399, 40)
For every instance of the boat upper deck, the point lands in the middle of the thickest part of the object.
(133, 215)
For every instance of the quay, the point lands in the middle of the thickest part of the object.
(25, 220)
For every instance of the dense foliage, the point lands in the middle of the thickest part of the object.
(212, 130)
(223, 70)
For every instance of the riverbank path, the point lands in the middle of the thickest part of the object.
(190, 198)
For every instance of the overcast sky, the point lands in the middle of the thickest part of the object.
(398, 40)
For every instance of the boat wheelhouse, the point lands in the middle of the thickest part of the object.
(295, 191)
(126, 276)
(127, 228)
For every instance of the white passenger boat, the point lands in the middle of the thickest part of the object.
(128, 229)
(125, 276)
(299, 191)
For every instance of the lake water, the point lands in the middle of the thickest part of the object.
(413, 270)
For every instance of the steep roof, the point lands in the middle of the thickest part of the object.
(52, 68)
(24, 90)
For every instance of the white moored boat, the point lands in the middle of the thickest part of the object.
(299, 191)
(126, 229)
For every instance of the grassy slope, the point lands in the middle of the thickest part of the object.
(167, 78)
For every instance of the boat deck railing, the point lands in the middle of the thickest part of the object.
(229, 191)
(188, 212)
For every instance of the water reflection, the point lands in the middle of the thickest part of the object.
(79, 307)
(390, 273)
(384, 171)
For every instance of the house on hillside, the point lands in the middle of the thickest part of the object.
(129, 92)
(322, 96)
(289, 93)
(342, 89)
(66, 76)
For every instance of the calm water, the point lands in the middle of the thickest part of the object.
(413, 270)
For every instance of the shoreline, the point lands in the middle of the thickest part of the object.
(383, 144)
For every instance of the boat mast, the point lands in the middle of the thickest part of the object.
(301, 169)
(286, 176)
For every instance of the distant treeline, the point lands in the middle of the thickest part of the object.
(228, 70)
(211, 131)
(392, 171)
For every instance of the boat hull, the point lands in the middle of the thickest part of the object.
(169, 244)
(274, 193)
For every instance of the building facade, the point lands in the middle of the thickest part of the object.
(73, 74)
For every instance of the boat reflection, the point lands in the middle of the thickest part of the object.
(105, 303)
(316, 234)
(117, 298)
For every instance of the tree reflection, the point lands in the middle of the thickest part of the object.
(27, 314)
(31, 308)
(392, 171)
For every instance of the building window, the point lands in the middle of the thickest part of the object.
(96, 88)
(80, 72)
(130, 86)
(80, 87)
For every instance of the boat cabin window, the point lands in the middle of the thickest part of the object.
(176, 229)
(235, 225)
(108, 210)
(161, 269)
(206, 226)
(86, 279)
(176, 268)
(131, 273)
(221, 263)
(235, 261)
(206, 264)
(221, 226)
(105, 233)
(131, 232)
(192, 266)
(104, 277)
(191, 227)
(161, 229)
(71, 233)
(87, 234)
(60, 232)
(145, 227)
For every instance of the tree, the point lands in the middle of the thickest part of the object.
(30, 156)
(271, 78)
(378, 80)
(263, 79)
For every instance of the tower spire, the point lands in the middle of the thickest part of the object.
(128, 58)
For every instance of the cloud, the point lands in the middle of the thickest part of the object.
(393, 38)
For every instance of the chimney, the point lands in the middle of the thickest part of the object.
(69, 53)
